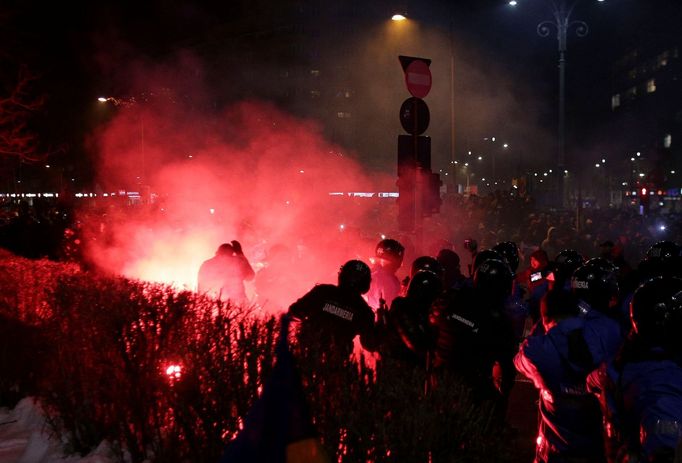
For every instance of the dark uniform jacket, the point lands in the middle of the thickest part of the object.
(334, 317)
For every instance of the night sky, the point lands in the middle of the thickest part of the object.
(82, 50)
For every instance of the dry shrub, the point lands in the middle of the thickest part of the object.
(397, 412)
(110, 341)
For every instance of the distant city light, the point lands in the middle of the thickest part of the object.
(342, 227)
(102, 99)
(566, 171)
(47, 166)
(211, 211)
(513, 3)
(398, 17)
(672, 172)
(603, 161)
(550, 171)
(466, 164)
(480, 158)
(597, 165)
(661, 227)
(301, 171)
(505, 145)
(638, 154)
(641, 174)
(632, 159)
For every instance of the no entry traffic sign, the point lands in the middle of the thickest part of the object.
(417, 75)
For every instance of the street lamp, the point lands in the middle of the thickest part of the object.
(562, 21)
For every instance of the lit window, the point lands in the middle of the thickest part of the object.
(315, 93)
(343, 115)
(667, 141)
(615, 101)
(651, 85)
(315, 72)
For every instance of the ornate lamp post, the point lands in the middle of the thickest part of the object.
(563, 23)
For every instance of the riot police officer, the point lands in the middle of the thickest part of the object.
(474, 337)
(641, 391)
(407, 335)
(332, 315)
(558, 362)
(596, 286)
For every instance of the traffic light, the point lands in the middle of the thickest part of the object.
(644, 199)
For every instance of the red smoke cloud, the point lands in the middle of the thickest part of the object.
(251, 173)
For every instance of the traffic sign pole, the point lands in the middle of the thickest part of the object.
(414, 117)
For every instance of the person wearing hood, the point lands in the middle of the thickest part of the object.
(551, 244)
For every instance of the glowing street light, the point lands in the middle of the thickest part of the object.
(513, 3)
(398, 17)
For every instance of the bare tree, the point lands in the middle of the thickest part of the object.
(17, 111)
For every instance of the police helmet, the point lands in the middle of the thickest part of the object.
(493, 277)
(425, 286)
(656, 313)
(390, 249)
(426, 263)
(595, 284)
(510, 253)
(661, 259)
(567, 262)
(355, 275)
(602, 263)
(664, 251)
(485, 255)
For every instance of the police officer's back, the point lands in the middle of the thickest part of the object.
(641, 391)
(332, 315)
(558, 361)
(474, 337)
(406, 332)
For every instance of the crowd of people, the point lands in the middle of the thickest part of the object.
(587, 304)
(598, 338)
